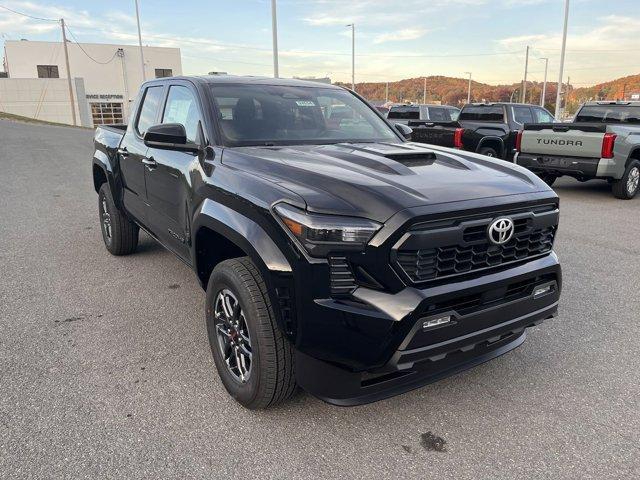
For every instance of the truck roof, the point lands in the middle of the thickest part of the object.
(250, 80)
(489, 104)
(612, 102)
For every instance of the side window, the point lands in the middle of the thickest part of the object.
(522, 115)
(438, 114)
(542, 116)
(182, 107)
(149, 109)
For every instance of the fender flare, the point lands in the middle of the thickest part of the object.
(101, 161)
(244, 233)
(501, 153)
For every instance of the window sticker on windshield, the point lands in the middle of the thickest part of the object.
(305, 103)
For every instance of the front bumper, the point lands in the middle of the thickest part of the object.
(486, 321)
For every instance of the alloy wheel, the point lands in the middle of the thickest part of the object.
(233, 335)
(106, 220)
(633, 180)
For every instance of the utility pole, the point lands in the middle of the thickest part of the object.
(66, 59)
(526, 70)
(353, 56)
(274, 30)
(144, 75)
(424, 91)
(564, 48)
(544, 85)
(469, 89)
(125, 80)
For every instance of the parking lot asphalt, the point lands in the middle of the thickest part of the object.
(105, 369)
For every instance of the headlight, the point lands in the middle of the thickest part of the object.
(321, 234)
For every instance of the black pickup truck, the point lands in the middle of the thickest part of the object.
(335, 255)
(490, 129)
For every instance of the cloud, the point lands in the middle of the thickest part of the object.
(400, 35)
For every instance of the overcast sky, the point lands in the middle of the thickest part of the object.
(394, 39)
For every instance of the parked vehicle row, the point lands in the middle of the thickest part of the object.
(602, 142)
(490, 129)
(335, 254)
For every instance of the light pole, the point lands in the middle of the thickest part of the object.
(386, 93)
(274, 30)
(564, 47)
(66, 59)
(424, 91)
(353, 56)
(544, 85)
(144, 75)
(526, 71)
(469, 89)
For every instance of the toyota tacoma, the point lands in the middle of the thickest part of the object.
(335, 255)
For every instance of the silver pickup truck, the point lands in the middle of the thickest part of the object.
(602, 142)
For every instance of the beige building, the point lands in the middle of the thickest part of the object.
(106, 79)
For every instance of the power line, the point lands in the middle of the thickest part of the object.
(29, 16)
(85, 52)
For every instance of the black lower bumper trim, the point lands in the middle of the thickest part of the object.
(572, 166)
(341, 387)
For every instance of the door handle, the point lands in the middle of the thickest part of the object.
(124, 153)
(150, 163)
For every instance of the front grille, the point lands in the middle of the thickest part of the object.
(461, 247)
(471, 303)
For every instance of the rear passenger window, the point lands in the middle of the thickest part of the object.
(522, 115)
(149, 109)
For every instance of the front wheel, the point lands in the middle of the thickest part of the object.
(253, 359)
(627, 187)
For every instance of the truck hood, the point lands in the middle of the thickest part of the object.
(376, 180)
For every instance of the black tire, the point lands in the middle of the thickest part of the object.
(270, 378)
(489, 152)
(548, 178)
(120, 234)
(627, 187)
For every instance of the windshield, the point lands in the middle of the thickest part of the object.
(609, 114)
(281, 115)
(482, 113)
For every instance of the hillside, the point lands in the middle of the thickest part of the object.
(453, 91)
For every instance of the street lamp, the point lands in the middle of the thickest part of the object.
(544, 85)
(353, 56)
(564, 47)
(469, 89)
(274, 31)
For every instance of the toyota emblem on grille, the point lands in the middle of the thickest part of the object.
(501, 231)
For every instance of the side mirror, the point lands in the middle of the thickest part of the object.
(169, 136)
(404, 130)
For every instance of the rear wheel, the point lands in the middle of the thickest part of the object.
(120, 234)
(488, 151)
(548, 178)
(253, 359)
(627, 187)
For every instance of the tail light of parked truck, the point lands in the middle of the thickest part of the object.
(457, 138)
(608, 142)
(519, 141)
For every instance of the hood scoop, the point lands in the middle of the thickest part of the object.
(413, 159)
